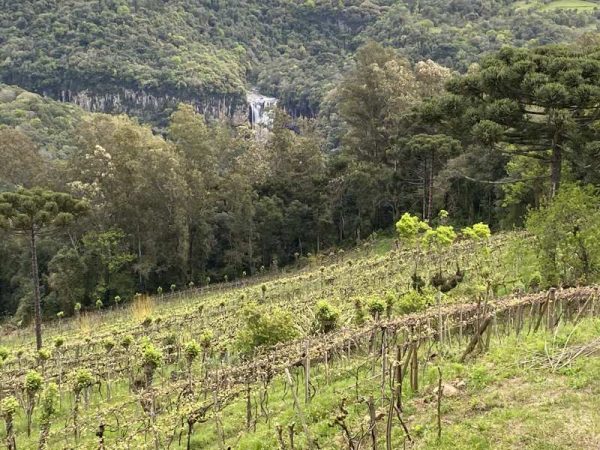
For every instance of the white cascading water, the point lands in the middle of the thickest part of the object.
(260, 109)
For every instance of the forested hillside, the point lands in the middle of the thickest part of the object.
(144, 56)
(299, 224)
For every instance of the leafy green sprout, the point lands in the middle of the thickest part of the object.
(326, 317)
(192, 350)
(44, 354)
(48, 403)
(82, 380)
(376, 307)
(9, 407)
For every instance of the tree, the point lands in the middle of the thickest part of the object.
(374, 98)
(32, 213)
(431, 151)
(541, 103)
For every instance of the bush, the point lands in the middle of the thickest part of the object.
(326, 318)
(265, 329)
(478, 232)
(9, 406)
(567, 230)
(206, 339)
(409, 227)
(412, 302)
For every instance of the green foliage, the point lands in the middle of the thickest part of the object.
(477, 232)
(409, 227)
(326, 317)
(440, 237)
(44, 354)
(567, 231)
(265, 328)
(33, 382)
(151, 356)
(4, 353)
(25, 210)
(191, 351)
(126, 341)
(413, 301)
(80, 380)
(49, 403)
(8, 407)
(205, 339)
(108, 344)
(376, 307)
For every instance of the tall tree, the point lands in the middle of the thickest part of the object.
(539, 103)
(31, 213)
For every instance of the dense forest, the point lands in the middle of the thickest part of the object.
(144, 56)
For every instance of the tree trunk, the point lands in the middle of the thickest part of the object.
(556, 167)
(36, 291)
(430, 193)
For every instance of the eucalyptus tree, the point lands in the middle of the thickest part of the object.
(32, 213)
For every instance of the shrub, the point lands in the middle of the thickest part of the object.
(478, 232)
(4, 353)
(359, 314)
(326, 317)
(48, 402)
(567, 231)
(126, 341)
(409, 227)
(151, 357)
(412, 302)
(44, 354)
(108, 345)
(8, 407)
(265, 330)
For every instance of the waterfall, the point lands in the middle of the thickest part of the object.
(259, 109)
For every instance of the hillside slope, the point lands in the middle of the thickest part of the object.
(176, 370)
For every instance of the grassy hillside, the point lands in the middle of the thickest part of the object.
(142, 56)
(176, 365)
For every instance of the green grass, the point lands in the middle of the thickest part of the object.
(579, 5)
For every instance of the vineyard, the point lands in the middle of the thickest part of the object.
(244, 364)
